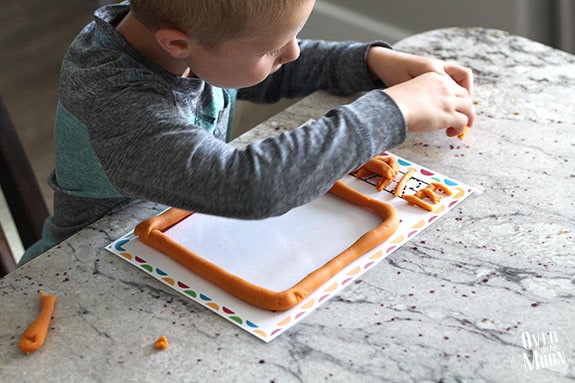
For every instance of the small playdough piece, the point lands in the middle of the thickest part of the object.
(441, 187)
(462, 135)
(151, 233)
(386, 167)
(161, 343)
(35, 335)
(414, 200)
(429, 192)
(401, 184)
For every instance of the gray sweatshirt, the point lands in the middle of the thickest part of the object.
(127, 129)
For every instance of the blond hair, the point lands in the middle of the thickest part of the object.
(212, 22)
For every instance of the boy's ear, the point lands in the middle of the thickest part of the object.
(175, 42)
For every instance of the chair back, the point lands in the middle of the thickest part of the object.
(21, 191)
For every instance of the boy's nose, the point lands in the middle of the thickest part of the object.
(290, 52)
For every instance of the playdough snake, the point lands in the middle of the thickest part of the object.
(401, 184)
(35, 335)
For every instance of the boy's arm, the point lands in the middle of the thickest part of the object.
(149, 151)
(337, 67)
(348, 67)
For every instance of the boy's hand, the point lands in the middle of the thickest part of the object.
(393, 67)
(432, 94)
(434, 101)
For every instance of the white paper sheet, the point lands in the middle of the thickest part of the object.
(297, 243)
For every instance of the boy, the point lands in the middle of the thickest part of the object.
(148, 88)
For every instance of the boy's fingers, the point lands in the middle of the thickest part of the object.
(471, 117)
(460, 118)
(457, 89)
(465, 108)
(469, 111)
(452, 132)
(462, 76)
(459, 125)
(465, 104)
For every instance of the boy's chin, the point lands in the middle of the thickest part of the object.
(242, 83)
(254, 83)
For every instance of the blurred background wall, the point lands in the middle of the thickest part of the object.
(546, 21)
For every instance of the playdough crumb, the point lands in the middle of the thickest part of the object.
(161, 343)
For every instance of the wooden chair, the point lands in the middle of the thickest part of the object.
(21, 191)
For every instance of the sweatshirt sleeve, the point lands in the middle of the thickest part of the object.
(339, 68)
(159, 156)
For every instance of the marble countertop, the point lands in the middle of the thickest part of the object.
(480, 295)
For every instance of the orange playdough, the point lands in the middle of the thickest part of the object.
(401, 184)
(151, 233)
(429, 192)
(35, 335)
(414, 200)
(386, 167)
(161, 343)
(463, 134)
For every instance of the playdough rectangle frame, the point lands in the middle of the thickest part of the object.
(179, 234)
